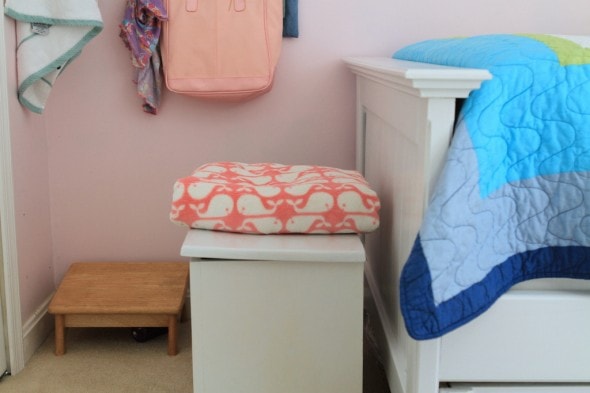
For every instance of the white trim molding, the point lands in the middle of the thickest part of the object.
(37, 328)
(8, 222)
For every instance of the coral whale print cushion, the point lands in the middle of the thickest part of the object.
(270, 198)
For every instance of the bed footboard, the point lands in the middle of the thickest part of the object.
(405, 119)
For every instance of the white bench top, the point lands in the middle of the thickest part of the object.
(302, 248)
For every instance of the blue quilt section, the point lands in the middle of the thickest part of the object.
(513, 200)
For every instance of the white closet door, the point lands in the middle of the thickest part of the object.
(3, 362)
(3, 117)
(3, 346)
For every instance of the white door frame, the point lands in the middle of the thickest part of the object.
(13, 323)
(3, 346)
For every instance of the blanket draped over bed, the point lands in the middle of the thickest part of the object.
(513, 200)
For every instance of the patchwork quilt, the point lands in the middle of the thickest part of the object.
(513, 200)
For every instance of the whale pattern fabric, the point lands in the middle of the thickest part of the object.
(270, 198)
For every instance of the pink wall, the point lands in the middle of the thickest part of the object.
(111, 167)
(31, 193)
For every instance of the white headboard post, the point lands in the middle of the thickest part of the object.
(405, 120)
(439, 86)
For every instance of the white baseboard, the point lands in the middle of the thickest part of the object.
(36, 329)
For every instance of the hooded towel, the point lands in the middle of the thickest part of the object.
(50, 34)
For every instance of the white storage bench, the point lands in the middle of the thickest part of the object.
(276, 313)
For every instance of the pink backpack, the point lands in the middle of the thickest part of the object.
(221, 49)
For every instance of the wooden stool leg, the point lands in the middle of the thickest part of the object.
(172, 333)
(60, 344)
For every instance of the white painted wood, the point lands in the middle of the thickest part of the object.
(403, 138)
(527, 336)
(37, 328)
(424, 80)
(276, 325)
(402, 195)
(312, 248)
(10, 292)
(3, 346)
(524, 388)
(405, 119)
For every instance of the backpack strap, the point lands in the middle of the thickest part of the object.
(239, 5)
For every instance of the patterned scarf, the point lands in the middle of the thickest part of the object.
(140, 31)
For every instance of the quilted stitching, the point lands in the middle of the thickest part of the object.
(513, 201)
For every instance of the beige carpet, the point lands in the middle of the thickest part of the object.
(106, 360)
(110, 360)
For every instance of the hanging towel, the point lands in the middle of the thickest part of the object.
(50, 34)
(140, 31)
(290, 18)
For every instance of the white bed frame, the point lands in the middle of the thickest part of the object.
(535, 338)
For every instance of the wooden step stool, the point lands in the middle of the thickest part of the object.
(120, 294)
